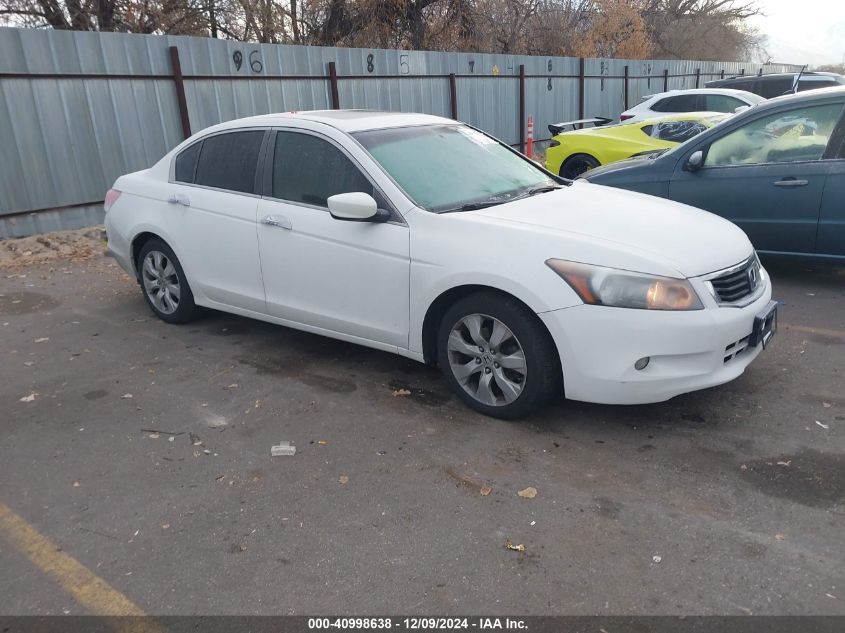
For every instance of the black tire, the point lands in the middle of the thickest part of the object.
(577, 164)
(542, 378)
(185, 309)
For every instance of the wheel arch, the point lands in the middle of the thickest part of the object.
(438, 307)
(143, 235)
(137, 244)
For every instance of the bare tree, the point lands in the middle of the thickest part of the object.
(699, 29)
(703, 29)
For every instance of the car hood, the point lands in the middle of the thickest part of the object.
(622, 165)
(627, 230)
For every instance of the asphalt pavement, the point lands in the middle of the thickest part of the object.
(141, 450)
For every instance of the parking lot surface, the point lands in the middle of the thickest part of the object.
(142, 451)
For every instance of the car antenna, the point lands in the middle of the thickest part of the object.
(798, 78)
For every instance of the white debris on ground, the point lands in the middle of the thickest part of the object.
(284, 448)
(78, 245)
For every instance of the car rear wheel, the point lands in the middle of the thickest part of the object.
(577, 164)
(163, 282)
(498, 356)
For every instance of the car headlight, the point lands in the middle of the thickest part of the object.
(597, 285)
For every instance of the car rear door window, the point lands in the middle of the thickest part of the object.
(186, 163)
(229, 160)
(722, 103)
(796, 135)
(679, 103)
(310, 170)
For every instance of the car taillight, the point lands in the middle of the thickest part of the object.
(111, 197)
(625, 117)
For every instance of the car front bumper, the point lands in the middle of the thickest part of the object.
(687, 351)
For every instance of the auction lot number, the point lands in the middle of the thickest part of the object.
(413, 624)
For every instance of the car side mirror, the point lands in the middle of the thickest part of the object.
(356, 206)
(741, 108)
(695, 161)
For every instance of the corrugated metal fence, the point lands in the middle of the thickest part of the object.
(79, 109)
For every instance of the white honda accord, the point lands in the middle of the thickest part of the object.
(425, 237)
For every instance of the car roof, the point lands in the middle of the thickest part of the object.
(617, 128)
(702, 91)
(345, 120)
(806, 73)
(684, 116)
(809, 75)
(818, 94)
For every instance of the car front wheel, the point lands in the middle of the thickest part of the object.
(498, 356)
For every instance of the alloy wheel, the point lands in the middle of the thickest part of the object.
(161, 282)
(487, 360)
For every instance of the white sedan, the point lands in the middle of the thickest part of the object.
(693, 100)
(424, 237)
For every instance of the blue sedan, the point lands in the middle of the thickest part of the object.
(777, 170)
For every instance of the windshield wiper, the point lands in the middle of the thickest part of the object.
(474, 206)
(544, 189)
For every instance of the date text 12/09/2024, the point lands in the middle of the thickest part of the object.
(415, 624)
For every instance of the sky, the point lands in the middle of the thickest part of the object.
(803, 31)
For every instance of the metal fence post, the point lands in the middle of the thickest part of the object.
(333, 80)
(697, 77)
(626, 88)
(181, 99)
(522, 108)
(581, 74)
(665, 80)
(453, 95)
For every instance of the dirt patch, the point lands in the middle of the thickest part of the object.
(78, 245)
(25, 302)
(809, 477)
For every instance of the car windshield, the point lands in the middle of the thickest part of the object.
(453, 167)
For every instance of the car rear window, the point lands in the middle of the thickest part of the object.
(186, 163)
(674, 131)
(774, 86)
(228, 161)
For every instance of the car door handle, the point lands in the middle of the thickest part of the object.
(790, 182)
(179, 198)
(277, 220)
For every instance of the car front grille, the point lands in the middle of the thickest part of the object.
(738, 283)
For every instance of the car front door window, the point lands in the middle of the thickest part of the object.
(309, 170)
(794, 136)
(722, 103)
